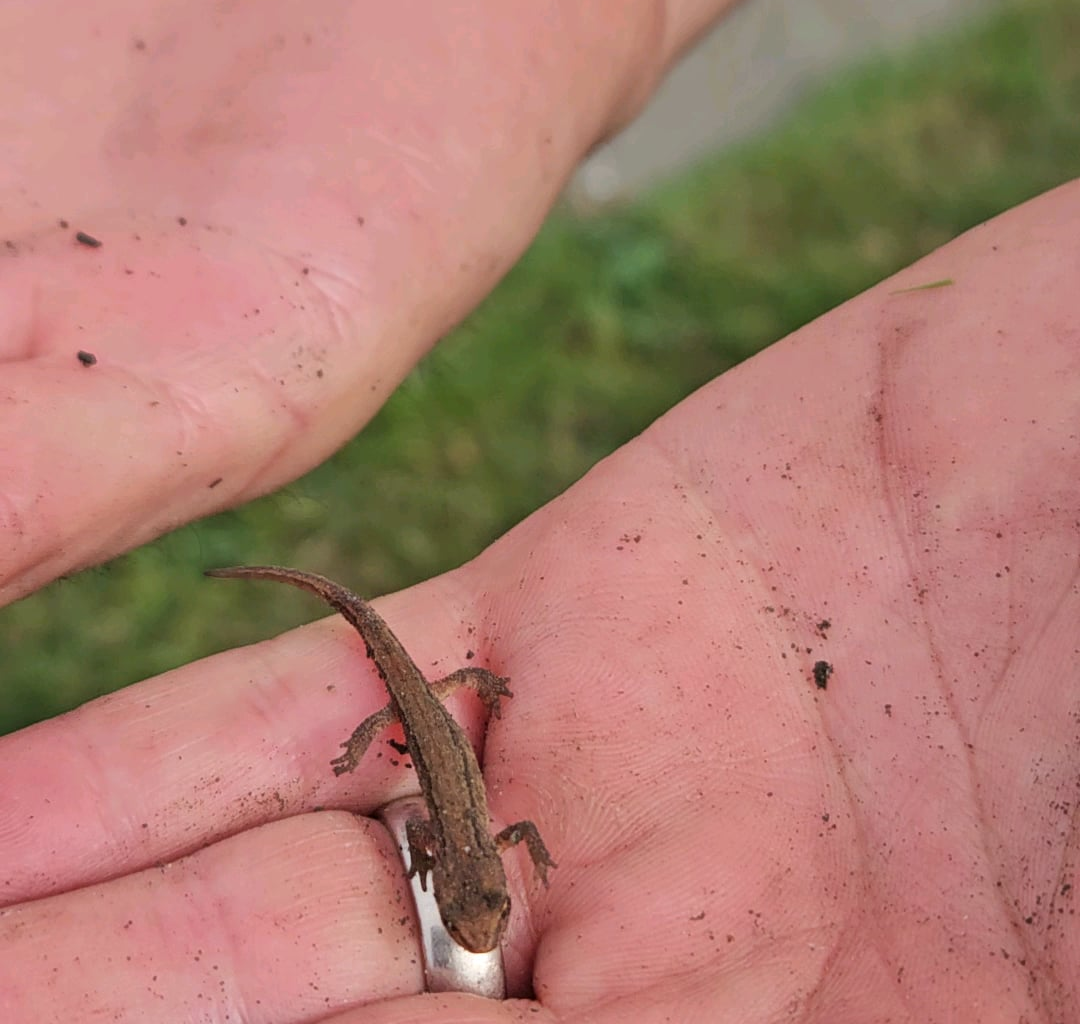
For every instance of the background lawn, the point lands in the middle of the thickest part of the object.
(605, 323)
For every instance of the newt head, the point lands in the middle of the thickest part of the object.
(474, 908)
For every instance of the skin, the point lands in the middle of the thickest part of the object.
(202, 143)
(906, 466)
(455, 843)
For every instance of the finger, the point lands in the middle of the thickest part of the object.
(444, 1007)
(288, 922)
(159, 769)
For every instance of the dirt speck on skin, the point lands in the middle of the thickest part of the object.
(822, 671)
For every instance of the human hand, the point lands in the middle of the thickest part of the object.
(294, 203)
(891, 490)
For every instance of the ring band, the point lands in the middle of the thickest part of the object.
(448, 967)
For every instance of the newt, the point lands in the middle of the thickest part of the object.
(454, 844)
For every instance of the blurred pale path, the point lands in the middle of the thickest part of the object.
(746, 73)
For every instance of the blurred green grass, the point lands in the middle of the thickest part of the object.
(606, 322)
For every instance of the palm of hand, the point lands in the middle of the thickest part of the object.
(898, 845)
(275, 253)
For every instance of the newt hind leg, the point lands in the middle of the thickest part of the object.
(360, 740)
(489, 687)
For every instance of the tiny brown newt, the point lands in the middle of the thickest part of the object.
(455, 844)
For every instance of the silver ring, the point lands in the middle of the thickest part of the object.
(448, 967)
